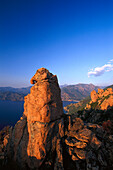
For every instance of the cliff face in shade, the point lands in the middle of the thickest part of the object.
(45, 139)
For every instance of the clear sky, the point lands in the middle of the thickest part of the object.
(71, 38)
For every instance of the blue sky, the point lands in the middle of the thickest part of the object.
(71, 38)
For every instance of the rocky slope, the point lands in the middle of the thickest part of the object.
(101, 99)
(24, 90)
(73, 108)
(46, 139)
(111, 86)
(12, 96)
(97, 109)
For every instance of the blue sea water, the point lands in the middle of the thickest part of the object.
(11, 111)
(65, 103)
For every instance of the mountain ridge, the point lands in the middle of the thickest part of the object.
(75, 92)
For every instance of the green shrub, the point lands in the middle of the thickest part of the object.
(94, 105)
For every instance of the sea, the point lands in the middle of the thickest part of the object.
(11, 111)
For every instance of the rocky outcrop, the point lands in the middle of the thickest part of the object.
(40, 128)
(97, 108)
(44, 103)
(94, 96)
(101, 99)
(87, 146)
(46, 139)
(4, 136)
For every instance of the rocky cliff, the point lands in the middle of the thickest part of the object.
(98, 108)
(101, 99)
(36, 134)
(44, 138)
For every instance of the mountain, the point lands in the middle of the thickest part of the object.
(24, 90)
(13, 94)
(64, 85)
(77, 92)
(111, 86)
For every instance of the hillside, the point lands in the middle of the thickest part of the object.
(77, 92)
(73, 108)
(98, 109)
(13, 94)
(24, 90)
(111, 86)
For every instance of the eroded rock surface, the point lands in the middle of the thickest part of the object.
(87, 146)
(44, 103)
(101, 99)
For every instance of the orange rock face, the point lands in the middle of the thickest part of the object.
(44, 103)
(100, 93)
(94, 96)
(106, 103)
(37, 132)
(103, 98)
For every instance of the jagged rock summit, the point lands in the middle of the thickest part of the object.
(44, 103)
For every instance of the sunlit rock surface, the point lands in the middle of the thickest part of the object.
(101, 99)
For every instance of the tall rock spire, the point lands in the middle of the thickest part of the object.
(44, 103)
(40, 128)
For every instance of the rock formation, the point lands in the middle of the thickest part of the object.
(101, 99)
(98, 109)
(36, 134)
(4, 135)
(46, 139)
(87, 146)
(94, 96)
